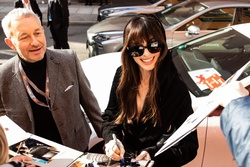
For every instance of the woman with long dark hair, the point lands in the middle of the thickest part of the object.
(148, 100)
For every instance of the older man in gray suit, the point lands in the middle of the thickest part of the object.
(43, 90)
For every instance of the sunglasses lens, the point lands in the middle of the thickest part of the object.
(154, 47)
(136, 51)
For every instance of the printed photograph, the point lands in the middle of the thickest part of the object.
(40, 152)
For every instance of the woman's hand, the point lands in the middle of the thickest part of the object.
(144, 155)
(115, 150)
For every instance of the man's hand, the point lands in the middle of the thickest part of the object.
(230, 92)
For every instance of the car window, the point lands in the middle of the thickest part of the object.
(212, 58)
(179, 12)
(242, 15)
(219, 18)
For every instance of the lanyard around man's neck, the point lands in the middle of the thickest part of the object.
(28, 83)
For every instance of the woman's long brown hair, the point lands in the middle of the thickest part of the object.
(139, 29)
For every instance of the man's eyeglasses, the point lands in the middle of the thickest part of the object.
(137, 51)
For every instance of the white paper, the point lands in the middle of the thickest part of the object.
(12, 131)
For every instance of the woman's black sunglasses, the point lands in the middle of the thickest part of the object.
(137, 51)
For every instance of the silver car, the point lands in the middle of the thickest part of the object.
(182, 22)
(131, 7)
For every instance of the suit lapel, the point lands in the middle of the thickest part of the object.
(53, 69)
(20, 88)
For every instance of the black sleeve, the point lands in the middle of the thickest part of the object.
(109, 115)
(186, 149)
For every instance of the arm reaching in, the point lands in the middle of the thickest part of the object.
(230, 92)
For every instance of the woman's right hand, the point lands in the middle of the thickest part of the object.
(115, 150)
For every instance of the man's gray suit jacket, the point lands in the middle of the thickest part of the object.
(69, 88)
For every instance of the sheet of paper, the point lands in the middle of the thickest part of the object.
(12, 131)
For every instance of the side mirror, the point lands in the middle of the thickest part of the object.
(192, 30)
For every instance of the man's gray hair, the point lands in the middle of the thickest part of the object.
(15, 14)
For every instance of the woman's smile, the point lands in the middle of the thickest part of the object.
(147, 60)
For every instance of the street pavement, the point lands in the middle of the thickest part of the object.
(79, 13)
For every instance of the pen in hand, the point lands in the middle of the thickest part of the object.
(116, 142)
(115, 139)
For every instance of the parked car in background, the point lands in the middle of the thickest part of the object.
(200, 62)
(131, 7)
(182, 22)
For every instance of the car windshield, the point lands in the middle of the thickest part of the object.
(215, 57)
(179, 12)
